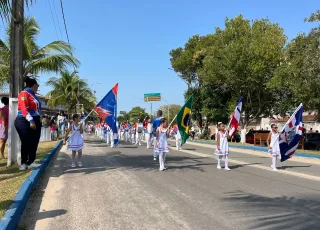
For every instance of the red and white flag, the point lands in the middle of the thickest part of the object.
(235, 118)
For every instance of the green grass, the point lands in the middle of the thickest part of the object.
(11, 178)
(317, 153)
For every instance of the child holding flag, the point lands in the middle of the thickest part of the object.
(75, 142)
(273, 145)
(161, 142)
(222, 146)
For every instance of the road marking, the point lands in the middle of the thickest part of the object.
(301, 175)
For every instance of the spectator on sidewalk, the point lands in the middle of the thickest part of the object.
(61, 124)
(45, 130)
(53, 130)
(4, 122)
(28, 123)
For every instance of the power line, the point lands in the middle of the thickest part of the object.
(58, 21)
(65, 24)
(54, 23)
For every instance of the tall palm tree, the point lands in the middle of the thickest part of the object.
(69, 90)
(54, 57)
(5, 8)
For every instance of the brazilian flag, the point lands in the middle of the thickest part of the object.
(183, 120)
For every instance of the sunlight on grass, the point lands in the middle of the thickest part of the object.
(11, 178)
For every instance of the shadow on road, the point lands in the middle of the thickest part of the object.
(243, 165)
(297, 166)
(276, 212)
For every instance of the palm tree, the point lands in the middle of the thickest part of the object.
(5, 8)
(54, 57)
(69, 90)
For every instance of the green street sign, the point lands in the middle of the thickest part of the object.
(152, 95)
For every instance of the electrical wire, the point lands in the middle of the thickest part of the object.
(58, 21)
(65, 24)
(54, 23)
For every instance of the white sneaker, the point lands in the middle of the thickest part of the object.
(161, 169)
(226, 168)
(275, 169)
(80, 164)
(140, 144)
(164, 168)
(73, 165)
(23, 167)
(34, 166)
(218, 167)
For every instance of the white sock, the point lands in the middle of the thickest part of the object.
(226, 158)
(274, 161)
(161, 160)
(219, 161)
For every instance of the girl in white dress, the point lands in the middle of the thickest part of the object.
(273, 145)
(161, 142)
(75, 142)
(222, 146)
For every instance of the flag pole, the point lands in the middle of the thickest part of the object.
(294, 113)
(173, 120)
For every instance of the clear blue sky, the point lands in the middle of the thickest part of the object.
(129, 41)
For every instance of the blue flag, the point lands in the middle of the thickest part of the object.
(107, 110)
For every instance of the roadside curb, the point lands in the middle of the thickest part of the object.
(256, 148)
(11, 218)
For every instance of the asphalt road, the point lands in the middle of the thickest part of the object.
(123, 188)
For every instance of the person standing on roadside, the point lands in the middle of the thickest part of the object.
(61, 124)
(28, 123)
(4, 122)
(155, 125)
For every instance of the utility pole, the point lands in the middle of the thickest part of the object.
(16, 73)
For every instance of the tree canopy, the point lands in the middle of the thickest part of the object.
(251, 59)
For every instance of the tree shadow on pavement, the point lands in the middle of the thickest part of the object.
(145, 162)
(242, 165)
(275, 212)
(91, 164)
(297, 166)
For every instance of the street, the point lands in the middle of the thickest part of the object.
(122, 188)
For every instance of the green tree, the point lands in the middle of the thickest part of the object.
(173, 110)
(54, 57)
(244, 59)
(298, 78)
(69, 90)
(5, 8)
(137, 113)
